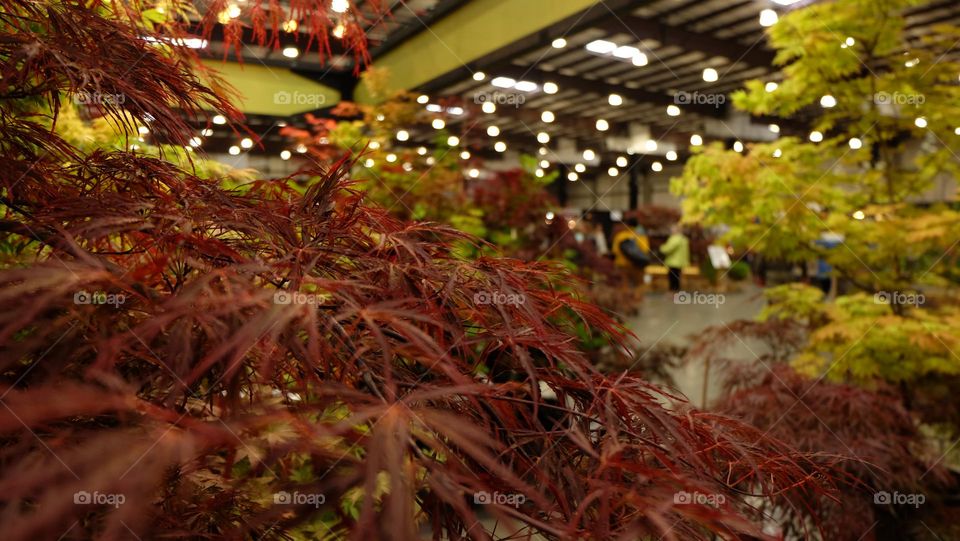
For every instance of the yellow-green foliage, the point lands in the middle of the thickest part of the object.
(898, 237)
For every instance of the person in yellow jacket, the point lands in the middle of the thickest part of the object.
(622, 232)
(677, 255)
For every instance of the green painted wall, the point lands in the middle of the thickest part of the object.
(472, 31)
(273, 91)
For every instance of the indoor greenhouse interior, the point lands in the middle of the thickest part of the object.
(640, 270)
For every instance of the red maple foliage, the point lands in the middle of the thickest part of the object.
(178, 357)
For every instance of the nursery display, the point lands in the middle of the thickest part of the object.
(188, 356)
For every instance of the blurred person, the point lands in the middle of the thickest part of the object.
(630, 250)
(676, 253)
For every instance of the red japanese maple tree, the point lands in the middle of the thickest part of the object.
(180, 359)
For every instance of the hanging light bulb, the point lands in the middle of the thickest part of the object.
(474, 173)
(828, 101)
(290, 52)
(816, 136)
(493, 131)
(422, 151)
(920, 122)
(613, 171)
(768, 17)
(615, 100)
(234, 150)
(710, 75)
(855, 143)
(423, 99)
(438, 124)
(285, 155)
(403, 135)
(339, 6)
(547, 116)
(572, 177)
(602, 125)
(550, 88)
(579, 168)
(391, 157)
(246, 142)
(738, 146)
(673, 110)
(488, 107)
(479, 76)
(771, 86)
(543, 138)
(589, 155)
(671, 156)
(622, 161)
(453, 140)
(559, 43)
(500, 146)
(465, 155)
(650, 145)
(656, 166)
(696, 140)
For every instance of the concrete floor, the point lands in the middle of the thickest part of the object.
(663, 321)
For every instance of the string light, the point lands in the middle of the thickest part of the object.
(339, 6)
(622, 161)
(493, 131)
(246, 142)
(234, 150)
(543, 138)
(920, 122)
(656, 166)
(559, 43)
(589, 155)
(423, 99)
(547, 116)
(285, 154)
(738, 146)
(579, 168)
(500, 146)
(696, 140)
(572, 177)
(488, 107)
(403, 135)
(291, 52)
(673, 110)
(771, 86)
(602, 125)
(768, 17)
(479, 76)
(474, 173)
(422, 151)
(465, 155)
(438, 124)
(828, 101)
(613, 171)
(650, 145)
(550, 88)
(855, 143)
(671, 156)
(391, 157)
(615, 100)
(816, 136)
(710, 75)
(453, 140)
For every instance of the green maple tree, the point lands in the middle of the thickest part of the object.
(886, 121)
